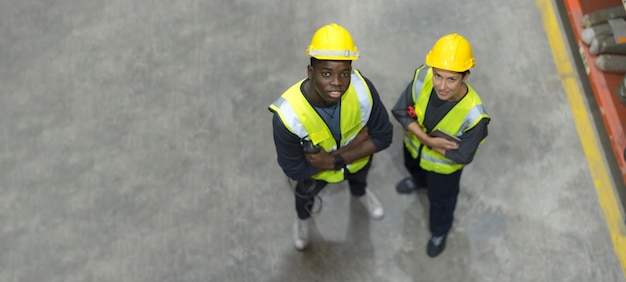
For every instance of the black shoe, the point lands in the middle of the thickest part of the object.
(436, 244)
(406, 186)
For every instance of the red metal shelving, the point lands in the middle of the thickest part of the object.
(603, 84)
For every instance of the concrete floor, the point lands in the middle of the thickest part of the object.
(136, 146)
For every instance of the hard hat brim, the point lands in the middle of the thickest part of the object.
(334, 55)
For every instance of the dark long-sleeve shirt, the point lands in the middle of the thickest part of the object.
(291, 157)
(435, 111)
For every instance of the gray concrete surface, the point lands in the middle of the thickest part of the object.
(136, 146)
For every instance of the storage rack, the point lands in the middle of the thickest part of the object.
(603, 84)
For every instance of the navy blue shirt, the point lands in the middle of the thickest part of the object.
(290, 155)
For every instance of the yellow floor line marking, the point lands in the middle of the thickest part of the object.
(604, 187)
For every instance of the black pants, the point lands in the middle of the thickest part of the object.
(443, 191)
(307, 189)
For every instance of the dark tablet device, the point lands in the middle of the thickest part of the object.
(440, 133)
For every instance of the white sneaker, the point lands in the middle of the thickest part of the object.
(301, 233)
(372, 204)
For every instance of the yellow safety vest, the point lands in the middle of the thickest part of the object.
(301, 119)
(461, 118)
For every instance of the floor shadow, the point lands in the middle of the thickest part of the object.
(411, 257)
(352, 259)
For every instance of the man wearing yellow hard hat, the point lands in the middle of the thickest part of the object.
(327, 127)
(445, 123)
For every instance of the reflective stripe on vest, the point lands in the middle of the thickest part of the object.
(418, 82)
(300, 118)
(464, 116)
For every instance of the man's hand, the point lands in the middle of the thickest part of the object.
(326, 161)
(322, 160)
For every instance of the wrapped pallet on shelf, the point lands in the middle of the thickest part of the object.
(599, 16)
(605, 34)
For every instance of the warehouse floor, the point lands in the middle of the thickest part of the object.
(137, 146)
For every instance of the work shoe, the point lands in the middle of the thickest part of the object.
(301, 233)
(373, 206)
(407, 186)
(436, 244)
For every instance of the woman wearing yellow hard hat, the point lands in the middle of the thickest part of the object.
(445, 123)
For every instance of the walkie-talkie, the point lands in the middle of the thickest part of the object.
(308, 147)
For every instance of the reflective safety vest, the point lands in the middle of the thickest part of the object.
(301, 119)
(461, 118)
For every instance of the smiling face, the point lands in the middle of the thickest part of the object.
(449, 85)
(328, 80)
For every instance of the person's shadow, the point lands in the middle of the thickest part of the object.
(411, 257)
(331, 259)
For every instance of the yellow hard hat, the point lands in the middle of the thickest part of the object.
(332, 42)
(451, 52)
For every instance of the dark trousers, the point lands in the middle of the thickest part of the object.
(443, 191)
(307, 190)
